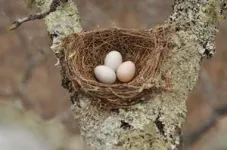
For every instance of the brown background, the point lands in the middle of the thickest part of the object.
(43, 92)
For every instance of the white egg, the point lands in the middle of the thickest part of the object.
(113, 60)
(126, 71)
(105, 74)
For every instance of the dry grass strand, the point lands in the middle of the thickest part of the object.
(148, 49)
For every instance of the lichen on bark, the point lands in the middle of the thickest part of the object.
(64, 21)
(156, 123)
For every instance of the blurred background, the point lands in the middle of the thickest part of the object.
(28, 74)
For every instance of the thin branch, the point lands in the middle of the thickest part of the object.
(40, 15)
(33, 62)
(19, 92)
(108, 122)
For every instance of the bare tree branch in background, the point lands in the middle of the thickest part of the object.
(18, 92)
(41, 15)
(33, 61)
(157, 123)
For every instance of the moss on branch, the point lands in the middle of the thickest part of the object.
(156, 123)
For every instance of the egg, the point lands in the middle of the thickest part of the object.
(105, 74)
(113, 60)
(126, 71)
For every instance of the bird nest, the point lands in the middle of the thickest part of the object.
(148, 49)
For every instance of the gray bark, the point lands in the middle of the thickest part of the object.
(156, 123)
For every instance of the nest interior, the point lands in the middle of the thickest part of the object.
(148, 49)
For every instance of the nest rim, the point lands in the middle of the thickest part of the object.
(112, 98)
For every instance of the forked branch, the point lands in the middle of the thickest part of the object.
(54, 5)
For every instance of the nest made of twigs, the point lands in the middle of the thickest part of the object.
(148, 49)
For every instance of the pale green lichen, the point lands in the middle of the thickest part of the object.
(213, 11)
(200, 19)
(165, 113)
(62, 22)
(156, 123)
(145, 139)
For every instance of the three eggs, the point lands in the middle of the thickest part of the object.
(113, 69)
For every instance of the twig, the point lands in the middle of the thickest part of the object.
(33, 61)
(18, 92)
(40, 15)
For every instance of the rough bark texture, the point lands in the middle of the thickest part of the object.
(157, 123)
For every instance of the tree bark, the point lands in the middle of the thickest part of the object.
(156, 123)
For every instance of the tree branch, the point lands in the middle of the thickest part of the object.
(41, 15)
(157, 123)
(18, 92)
